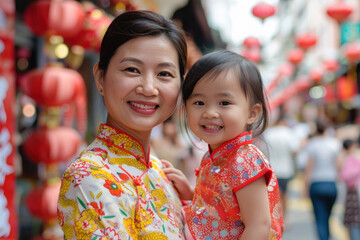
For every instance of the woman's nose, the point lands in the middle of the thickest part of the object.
(147, 86)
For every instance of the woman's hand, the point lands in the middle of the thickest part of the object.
(179, 180)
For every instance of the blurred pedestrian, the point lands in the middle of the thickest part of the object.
(282, 145)
(350, 174)
(321, 176)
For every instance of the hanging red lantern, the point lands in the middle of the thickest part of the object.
(339, 11)
(42, 201)
(295, 56)
(252, 42)
(51, 146)
(253, 54)
(352, 52)
(52, 86)
(263, 10)
(346, 88)
(330, 65)
(47, 17)
(330, 95)
(316, 75)
(306, 40)
(90, 35)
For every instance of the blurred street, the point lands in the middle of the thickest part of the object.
(299, 222)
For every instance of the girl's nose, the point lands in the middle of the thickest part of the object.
(210, 112)
(147, 86)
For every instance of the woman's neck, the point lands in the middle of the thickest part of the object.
(142, 137)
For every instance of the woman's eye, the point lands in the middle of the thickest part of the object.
(165, 74)
(132, 70)
(224, 103)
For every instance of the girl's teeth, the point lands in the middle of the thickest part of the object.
(212, 127)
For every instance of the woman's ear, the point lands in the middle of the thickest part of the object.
(99, 78)
(255, 111)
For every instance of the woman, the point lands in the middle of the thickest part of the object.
(115, 189)
(321, 176)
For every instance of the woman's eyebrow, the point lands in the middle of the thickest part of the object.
(128, 59)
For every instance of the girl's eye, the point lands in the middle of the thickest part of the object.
(165, 74)
(224, 103)
(132, 70)
(199, 103)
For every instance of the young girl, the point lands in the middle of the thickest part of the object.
(236, 194)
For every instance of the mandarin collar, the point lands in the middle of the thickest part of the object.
(240, 140)
(121, 140)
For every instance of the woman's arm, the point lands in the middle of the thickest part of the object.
(254, 206)
(180, 181)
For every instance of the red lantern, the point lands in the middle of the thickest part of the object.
(346, 88)
(295, 56)
(51, 146)
(252, 42)
(330, 65)
(263, 10)
(47, 17)
(42, 201)
(352, 52)
(253, 54)
(339, 11)
(330, 95)
(52, 86)
(316, 75)
(90, 36)
(306, 41)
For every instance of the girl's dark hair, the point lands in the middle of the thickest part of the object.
(141, 23)
(249, 79)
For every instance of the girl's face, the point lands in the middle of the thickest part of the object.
(141, 85)
(218, 110)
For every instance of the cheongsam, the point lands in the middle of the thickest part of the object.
(214, 212)
(110, 192)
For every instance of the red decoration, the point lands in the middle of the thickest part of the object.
(91, 33)
(316, 75)
(42, 201)
(330, 95)
(252, 42)
(53, 86)
(9, 202)
(263, 10)
(47, 17)
(306, 40)
(352, 52)
(331, 65)
(339, 11)
(295, 56)
(346, 88)
(50, 146)
(253, 54)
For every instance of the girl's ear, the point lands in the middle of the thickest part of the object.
(255, 111)
(99, 78)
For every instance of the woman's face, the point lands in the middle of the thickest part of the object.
(141, 85)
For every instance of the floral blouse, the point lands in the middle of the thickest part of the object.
(110, 192)
(214, 212)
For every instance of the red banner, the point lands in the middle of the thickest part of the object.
(8, 215)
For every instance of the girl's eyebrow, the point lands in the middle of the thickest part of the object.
(135, 60)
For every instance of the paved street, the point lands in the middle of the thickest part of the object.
(300, 220)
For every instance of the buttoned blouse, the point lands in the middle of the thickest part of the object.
(110, 192)
(214, 212)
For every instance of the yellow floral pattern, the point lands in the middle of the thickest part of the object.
(110, 192)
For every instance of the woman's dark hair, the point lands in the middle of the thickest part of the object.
(140, 23)
(249, 79)
(347, 143)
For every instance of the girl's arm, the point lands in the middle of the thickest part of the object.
(254, 204)
(179, 180)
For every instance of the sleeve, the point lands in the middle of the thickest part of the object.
(86, 206)
(247, 167)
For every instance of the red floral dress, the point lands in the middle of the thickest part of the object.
(110, 192)
(214, 212)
